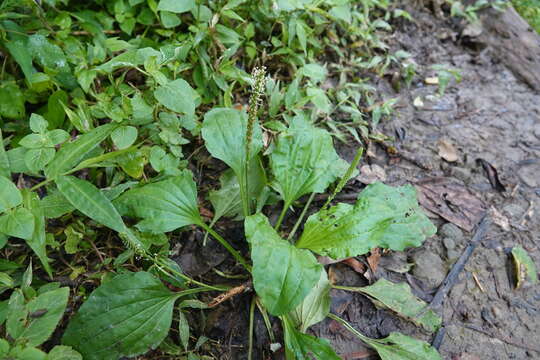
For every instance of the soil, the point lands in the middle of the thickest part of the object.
(490, 121)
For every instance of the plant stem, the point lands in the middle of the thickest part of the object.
(346, 288)
(227, 246)
(166, 269)
(251, 321)
(299, 221)
(266, 319)
(281, 216)
(350, 328)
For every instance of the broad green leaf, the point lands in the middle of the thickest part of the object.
(399, 298)
(38, 124)
(17, 314)
(37, 241)
(282, 274)
(17, 222)
(87, 198)
(176, 6)
(383, 216)
(21, 352)
(61, 352)
(70, 154)
(224, 133)
(524, 266)
(226, 201)
(124, 136)
(142, 112)
(10, 196)
(50, 306)
(319, 99)
(5, 168)
(315, 72)
(315, 306)
(18, 48)
(16, 160)
(125, 316)
(164, 205)
(397, 346)
(178, 96)
(300, 346)
(304, 161)
(56, 114)
(11, 101)
(37, 159)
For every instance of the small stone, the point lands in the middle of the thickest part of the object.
(537, 130)
(429, 268)
(371, 173)
(450, 230)
(452, 255)
(529, 174)
(460, 173)
(449, 243)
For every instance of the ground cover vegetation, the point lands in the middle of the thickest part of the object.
(116, 115)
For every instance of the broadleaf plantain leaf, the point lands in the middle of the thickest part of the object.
(399, 298)
(397, 346)
(300, 346)
(164, 205)
(282, 274)
(125, 316)
(383, 216)
(224, 133)
(304, 161)
(315, 306)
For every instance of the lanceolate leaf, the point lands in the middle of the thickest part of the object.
(399, 298)
(125, 316)
(10, 196)
(300, 346)
(70, 154)
(282, 274)
(315, 306)
(383, 216)
(304, 161)
(37, 241)
(86, 198)
(164, 205)
(224, 133)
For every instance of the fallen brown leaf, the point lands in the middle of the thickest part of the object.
(451, 200)
(447, 151)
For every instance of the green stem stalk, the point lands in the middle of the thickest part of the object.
(299, 221)
(227, 246)
(281, 216)
(167, 270)
(350, 328)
